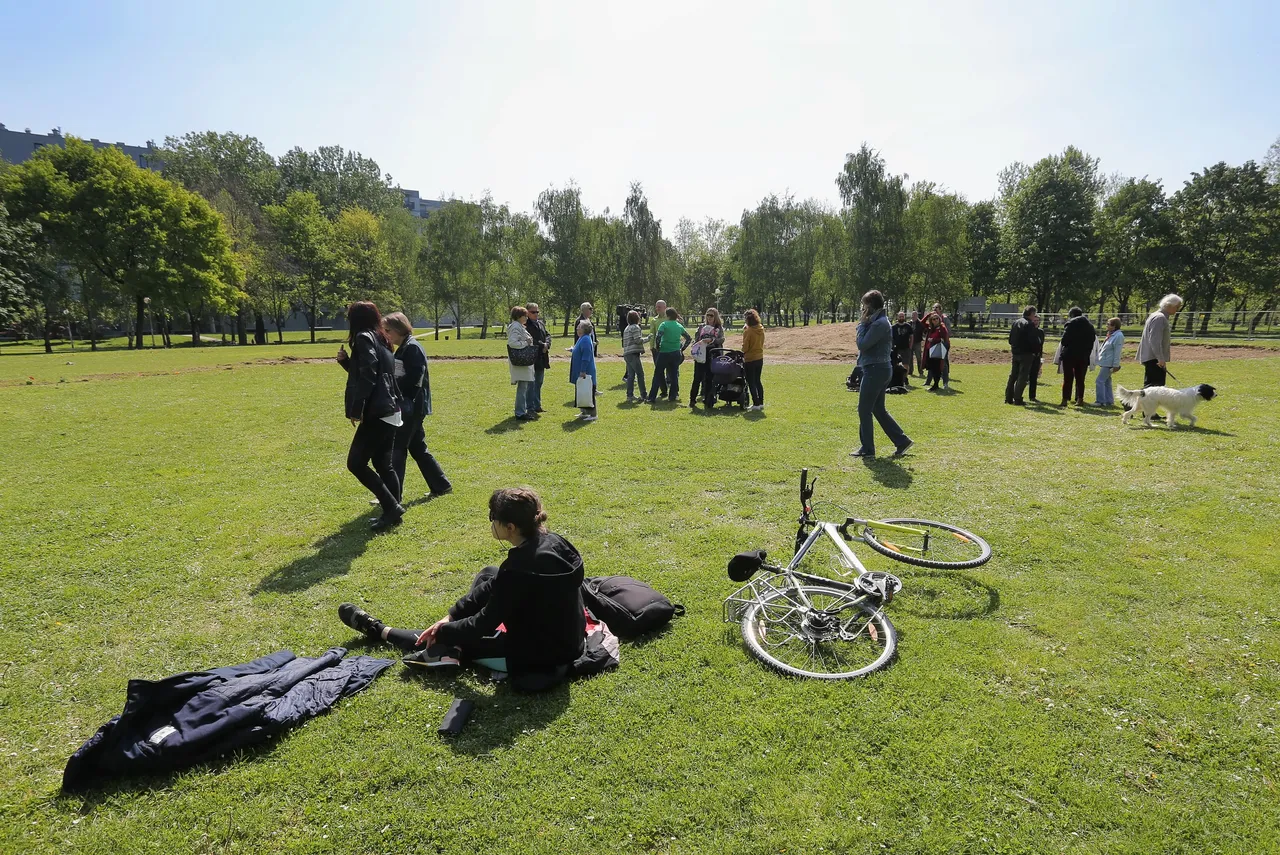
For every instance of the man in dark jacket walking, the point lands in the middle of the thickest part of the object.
(1078, 339)
(542, 339)
(1025, 346)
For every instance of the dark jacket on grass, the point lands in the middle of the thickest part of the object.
(1078, 339)
(371, 389)
(189, 718)
(537, 595)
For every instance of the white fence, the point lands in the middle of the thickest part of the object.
(1246, 325)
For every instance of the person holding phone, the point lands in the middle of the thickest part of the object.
(535, 595)
(874, 346)
(373, 407)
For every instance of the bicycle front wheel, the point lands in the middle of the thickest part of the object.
(836, 636)
(943, 546)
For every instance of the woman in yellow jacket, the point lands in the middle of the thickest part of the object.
(753, 356)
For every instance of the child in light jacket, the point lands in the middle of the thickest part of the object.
(1108, 363)
(633, 341)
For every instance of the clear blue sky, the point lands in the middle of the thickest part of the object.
(710, 105)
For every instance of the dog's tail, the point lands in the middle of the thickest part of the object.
(1129, 396)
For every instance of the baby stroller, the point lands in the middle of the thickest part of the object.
(728, 375)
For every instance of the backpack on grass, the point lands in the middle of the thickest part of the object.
(628, 606)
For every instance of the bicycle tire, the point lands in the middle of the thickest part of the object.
(880, 641)
(943, 529)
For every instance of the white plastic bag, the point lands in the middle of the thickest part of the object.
(938, 351)
(584, 393)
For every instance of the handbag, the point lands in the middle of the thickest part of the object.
(698, 350)
(523, 356)
(938, 351)
(584, 393)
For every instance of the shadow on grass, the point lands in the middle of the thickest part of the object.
(945, 595)
(573, 424)
(888, 472)
(507, 425)
(333, 557)
(499, 719)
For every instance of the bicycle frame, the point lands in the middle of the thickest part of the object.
(794, 578)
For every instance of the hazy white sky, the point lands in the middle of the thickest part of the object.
(710, 105)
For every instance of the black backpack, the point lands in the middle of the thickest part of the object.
(628, 606)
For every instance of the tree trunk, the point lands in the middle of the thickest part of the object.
(166, 328)
(195, 329)
(141, 306)
(484, 324)
(565, 332)
(93, 327)
(259, 328)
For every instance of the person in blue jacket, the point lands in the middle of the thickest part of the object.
(1108, 363)
(582, 363)
(874, 344)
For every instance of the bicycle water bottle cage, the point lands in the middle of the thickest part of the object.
(880, 585)
(745, 564)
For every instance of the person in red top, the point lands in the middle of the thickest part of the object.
(935, 334)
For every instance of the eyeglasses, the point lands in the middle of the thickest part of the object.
(533, 311)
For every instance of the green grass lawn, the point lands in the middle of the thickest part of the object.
(1108, 683)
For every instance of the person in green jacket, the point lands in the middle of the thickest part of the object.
(672, 340)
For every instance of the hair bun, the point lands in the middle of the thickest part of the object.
(540, 517)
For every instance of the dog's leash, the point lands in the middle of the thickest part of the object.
(1170, 374)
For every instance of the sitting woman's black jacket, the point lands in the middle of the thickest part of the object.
(371, 388)
(537, 594)
(415, 382)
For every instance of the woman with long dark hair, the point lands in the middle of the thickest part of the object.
(414, 382)
(373, 406)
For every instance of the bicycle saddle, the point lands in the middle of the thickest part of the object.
(745, 564)
(880, 585)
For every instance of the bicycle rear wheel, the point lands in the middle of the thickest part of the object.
(943, 546)
(838, 638)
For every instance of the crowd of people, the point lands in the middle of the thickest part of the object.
(388, 390)
(1081, 349)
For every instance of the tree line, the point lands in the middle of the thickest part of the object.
(232, 235)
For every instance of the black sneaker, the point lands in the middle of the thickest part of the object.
(388, 520)
(903, 449)
(435, 494)
(360, 620)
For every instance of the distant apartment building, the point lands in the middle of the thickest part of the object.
(17, 146)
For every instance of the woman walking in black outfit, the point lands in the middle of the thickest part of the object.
(414, 382)
(373, 406)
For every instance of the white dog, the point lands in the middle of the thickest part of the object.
(1174, 402)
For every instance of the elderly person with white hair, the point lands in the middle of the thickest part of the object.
(1153, 349)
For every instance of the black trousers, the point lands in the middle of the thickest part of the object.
(1019, 376)
(411, 441)
(702, 380)
(667, 375)
(489, 647)
(752, 370)
(1035, 377)
(374, 441)
(1153, 374)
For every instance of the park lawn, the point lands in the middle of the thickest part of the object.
(1107, 683)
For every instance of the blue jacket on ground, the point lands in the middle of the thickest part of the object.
(874, 340)
(189, 718)
(583, 359)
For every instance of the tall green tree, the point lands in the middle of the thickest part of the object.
(305, 248)
(453, 256)
(18, 249)
(1224, 216)
(983, 242)
(1133, 243)
(362, 265)
(644, 248)
(568, 267)
(1049, 243)
(875, 204)
(339, 179)
(102, 213)
(937, 226)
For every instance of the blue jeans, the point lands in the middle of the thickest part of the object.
(1102, 386)
(875, 379)
(635, 373)
(534, 400)
(523, 392)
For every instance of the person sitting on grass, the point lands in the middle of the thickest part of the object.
(535, 594)
(583, 364)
